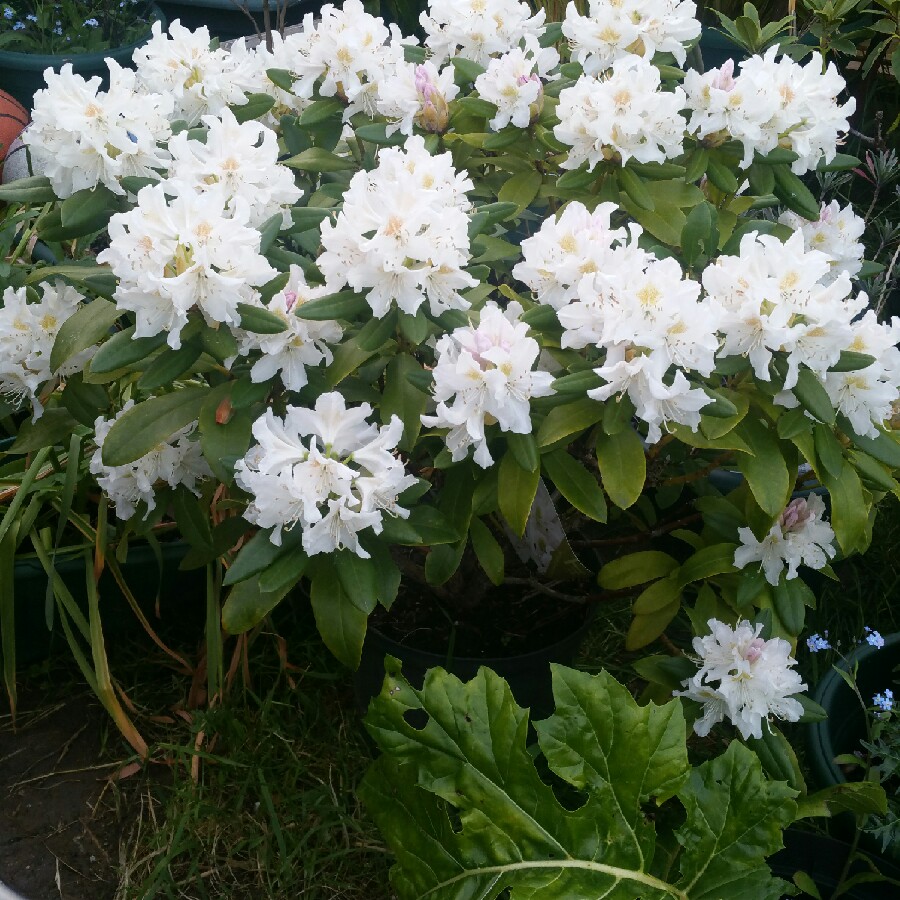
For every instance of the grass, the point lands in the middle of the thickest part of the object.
(258, 797)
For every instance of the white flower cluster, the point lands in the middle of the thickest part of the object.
(180, 65)
(302, 344)
(801, 536)
(513, 84)
(771, 103)
(478, 29)
(402, 234)
(178, 460)
(342, 480)
(611, 294)
(613, 29)
(622, 114)
(835, 233)
(346, 53)
(238, 159)
(81, 136)
(195, 251)
(487, 371)
(27, 334)
(782, 297)
(417, 95)
(744, 678)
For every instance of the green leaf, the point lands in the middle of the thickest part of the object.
(828, 449)
(54, 427)
(851, 361)
(257, 554)
(754, 818)
(623, 466)
(858, 797)
(575, 483)
(86, 211)
(342, 305)
(524, 448)
(170, 365)
(636, 568)
(658, 596)
(487, 550)
(36, 190)
(812, 395)
(246, 606)
(358, 578)
(849, 509)
(403, 399)
(794, 194)
(635, 189)
(340, 621)
(521, 189)
(766, 471)
(790, 598)
(150, 423)
(516, 490)
(884, 448)
(645, 629)
(83, 329)
(124, 349)
(317, 159)
(510, 836)
(258, 320)
(716, 559)
(257, 105)
(84, 401)
(443, 561)
(224, 432)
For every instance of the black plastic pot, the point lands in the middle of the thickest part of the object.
(179, 592)
(22, 74)
(717, 48)
(528, 674)
(845, 726)
(823, 858)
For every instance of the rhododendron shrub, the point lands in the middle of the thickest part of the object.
(352, 304)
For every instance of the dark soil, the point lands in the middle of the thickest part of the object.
(59, 829)
(508, 622)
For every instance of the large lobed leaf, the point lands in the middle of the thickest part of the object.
(467, 815)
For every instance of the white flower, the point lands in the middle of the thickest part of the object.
(177, 460)
(800, 536)
(172, 257)
(612, 30)
(744, 678)
(402, 234)
(181, 65)
(487, 373)
(240, 160)
(327, 470)
(622, 115)
(479, 29)
(512, 83)
(81, 136)
(303, 343)
(772, 103)
(27, 334)
(835, 233)
(347, 52)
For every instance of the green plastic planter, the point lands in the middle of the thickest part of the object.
(845, 726)
(22, 74)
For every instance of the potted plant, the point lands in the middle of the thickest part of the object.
(35, 36)
(230, 19)
(360, 319)
(858, 740)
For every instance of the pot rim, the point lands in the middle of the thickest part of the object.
(826, 695)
